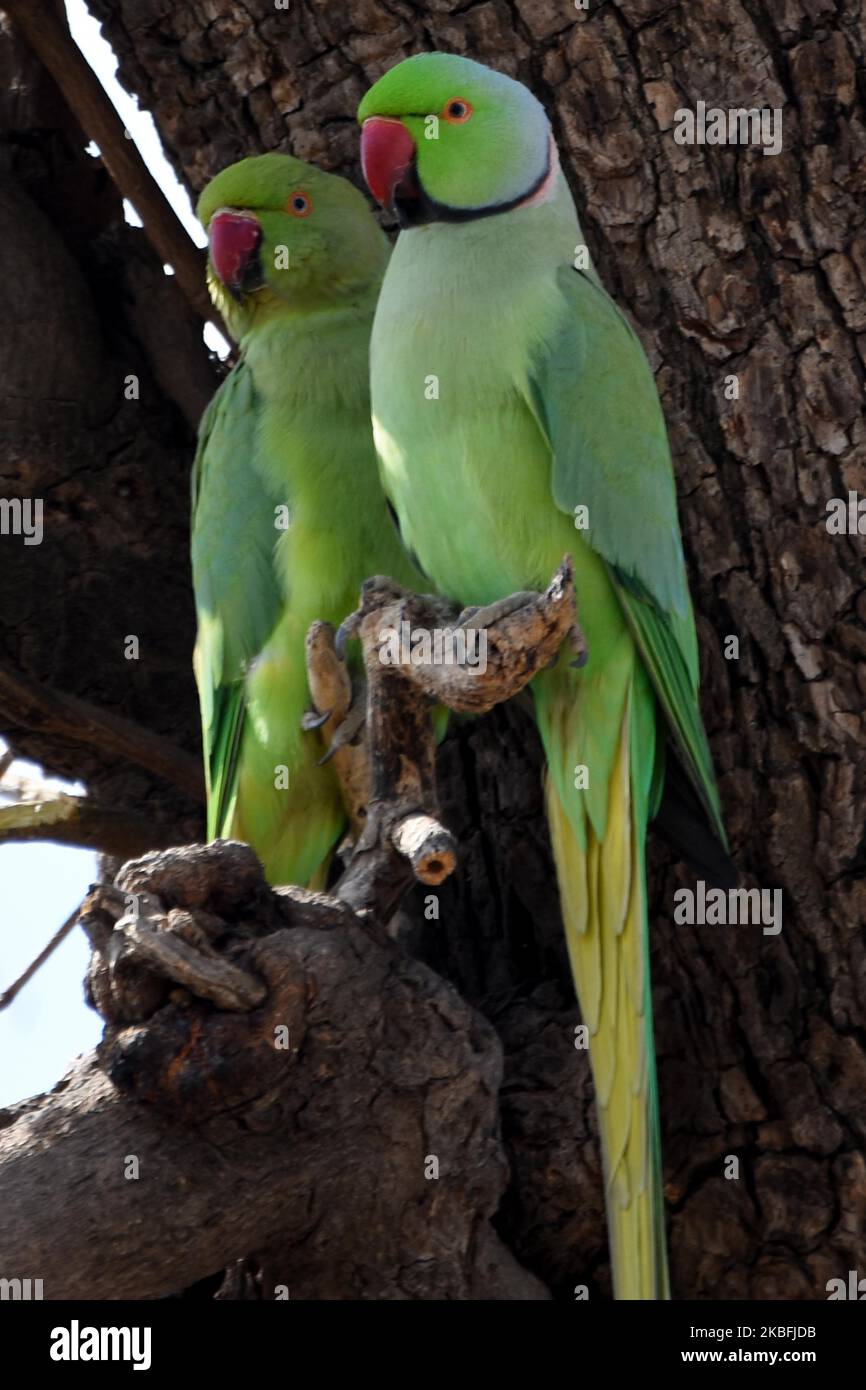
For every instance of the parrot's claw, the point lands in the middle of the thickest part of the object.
(348, 730)
(495, 612)
(580, 649)
(313, 720)
(348, 628)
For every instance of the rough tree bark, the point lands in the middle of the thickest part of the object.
(731, 263)
(243, 1146)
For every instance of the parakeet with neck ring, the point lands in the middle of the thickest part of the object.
(546, 437)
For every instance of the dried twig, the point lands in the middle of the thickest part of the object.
(60, 935)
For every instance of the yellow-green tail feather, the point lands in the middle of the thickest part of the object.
(603, 894)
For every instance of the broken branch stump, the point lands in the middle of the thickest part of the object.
(417, 654)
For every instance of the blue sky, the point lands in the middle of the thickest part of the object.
(48, 1024)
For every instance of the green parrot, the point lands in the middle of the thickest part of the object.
(545, 436)
(289, 517)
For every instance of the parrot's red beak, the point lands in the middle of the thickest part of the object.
(387, 157)
(234, 238)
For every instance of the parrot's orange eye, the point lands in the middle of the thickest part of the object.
(457, 111)
(300, 205)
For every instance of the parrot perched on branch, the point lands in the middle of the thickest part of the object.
(289, 517)
(544, 436)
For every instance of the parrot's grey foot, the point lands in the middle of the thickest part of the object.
(313, 720)
(349, 729)
(495, 612)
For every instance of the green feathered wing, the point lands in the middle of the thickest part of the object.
(617, 464)
(238, 597)
(613, 459)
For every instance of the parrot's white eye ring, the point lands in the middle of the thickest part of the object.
(457, 111)
(300, 204)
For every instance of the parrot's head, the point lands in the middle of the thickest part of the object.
(444, 139)
(284, 237)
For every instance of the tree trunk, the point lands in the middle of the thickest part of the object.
(745, 275)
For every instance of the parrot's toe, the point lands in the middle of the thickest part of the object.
(347, 731)
(313, 720)
(495, 612)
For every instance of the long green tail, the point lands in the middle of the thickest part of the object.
(602, 883)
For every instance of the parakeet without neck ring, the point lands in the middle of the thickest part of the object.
(289, 517)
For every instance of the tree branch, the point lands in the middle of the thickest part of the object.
(81, 821)
(46, 33)
(45, 711)
(197, 1133)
